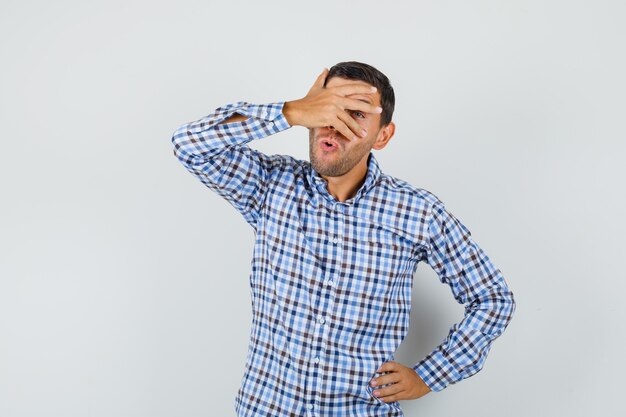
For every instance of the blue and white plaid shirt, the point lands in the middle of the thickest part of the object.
(331, 281)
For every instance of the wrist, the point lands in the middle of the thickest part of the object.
(290, 112)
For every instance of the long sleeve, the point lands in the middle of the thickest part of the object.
(479, 285)
(218, 156)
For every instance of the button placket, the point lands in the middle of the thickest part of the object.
(314, 395)
(326, 304)
(333, 281)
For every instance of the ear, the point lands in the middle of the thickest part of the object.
(384, 135)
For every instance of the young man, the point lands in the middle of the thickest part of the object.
(337, 244)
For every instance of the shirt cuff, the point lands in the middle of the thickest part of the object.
(436, 371)
(271, 112)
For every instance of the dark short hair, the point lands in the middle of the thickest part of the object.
(353, 70)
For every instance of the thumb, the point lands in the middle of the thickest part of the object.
(319, 82)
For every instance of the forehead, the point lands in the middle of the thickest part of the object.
(374, 98)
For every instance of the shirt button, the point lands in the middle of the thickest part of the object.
(335, 240)
(309, 406)
(321, 320)
(317, 359)
(264, 113)
(330, 282)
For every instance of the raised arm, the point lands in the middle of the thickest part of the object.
(214, 150)
(479, 285)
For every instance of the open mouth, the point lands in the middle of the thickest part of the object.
(328, 145)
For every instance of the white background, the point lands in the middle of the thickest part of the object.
(124, 281)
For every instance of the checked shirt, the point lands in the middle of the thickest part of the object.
(331, 281)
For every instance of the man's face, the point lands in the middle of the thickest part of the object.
(349, 153)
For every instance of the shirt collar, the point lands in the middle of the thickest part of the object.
(371, 178)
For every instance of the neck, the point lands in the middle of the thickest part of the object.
(345, 186)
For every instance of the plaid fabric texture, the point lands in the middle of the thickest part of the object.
(331, 281)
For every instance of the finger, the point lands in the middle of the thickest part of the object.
(391, 378)
(387, 366)
(400, 395)
(386, 393)
(340, 126)
(356, 104)
(353, 88)
(354, 127)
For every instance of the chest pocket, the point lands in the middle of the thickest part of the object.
(376, 236)
(388, 242)
(379, 257)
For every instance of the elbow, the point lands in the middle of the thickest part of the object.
(507, 299)
(506, 309)
(512, 303)
(496, 308)
(179, 140)
(177, 137)
(504, 304)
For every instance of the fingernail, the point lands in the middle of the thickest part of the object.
(355, 138)
(379, 109)
(363, 132)
(373, 89)
(373, 382)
